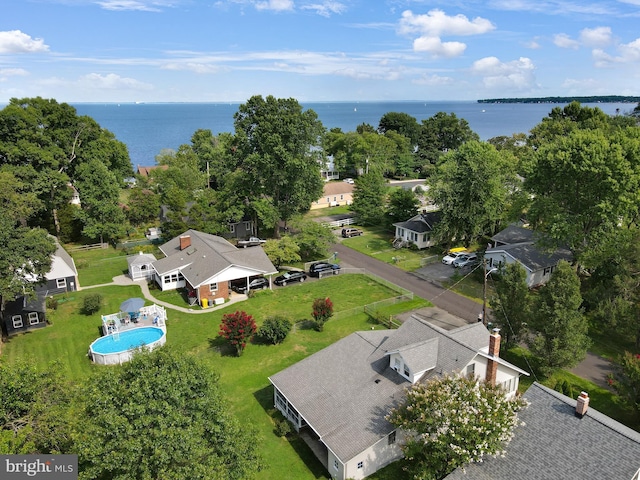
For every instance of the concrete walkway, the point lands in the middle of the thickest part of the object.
(123, 280)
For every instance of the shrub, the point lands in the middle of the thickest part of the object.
(283, 428)
(238, 328)
(275, 329)
(52, 303)
(322, 311)
(91, 303)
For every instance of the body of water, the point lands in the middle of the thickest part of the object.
(148, 128)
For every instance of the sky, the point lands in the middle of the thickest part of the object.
(317, 50)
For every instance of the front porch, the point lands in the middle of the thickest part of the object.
(318, 448)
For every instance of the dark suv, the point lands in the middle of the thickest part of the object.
(257, 283)
(318, 268)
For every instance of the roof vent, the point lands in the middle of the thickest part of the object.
(377, 380)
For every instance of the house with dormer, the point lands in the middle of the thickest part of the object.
(338, 398)
(206, 264)
(418, 230)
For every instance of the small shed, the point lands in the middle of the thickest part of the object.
(141, 266)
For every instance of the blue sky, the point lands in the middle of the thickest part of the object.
(316, 50)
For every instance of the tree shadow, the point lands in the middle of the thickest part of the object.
(305, 324)
(222, 347)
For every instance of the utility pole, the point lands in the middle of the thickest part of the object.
(484, 292)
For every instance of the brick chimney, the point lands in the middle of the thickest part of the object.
(494, 351)
(185, 241)
(582, 404)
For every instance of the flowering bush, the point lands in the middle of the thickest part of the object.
(453, 421)
(322, 311)
(238, 328)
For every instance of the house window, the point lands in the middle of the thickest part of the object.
(406, 371)
(328, 199)
(360, 464)
(341, 197)
(425, 238)
(335, 464)
(17, 321)
(247, 226)
(471, 370)
(232, 228)
(391, 439)
(509, 385)
(546, 271)
(33, 318)
(396, 364)
(213, 287)
(61, 282)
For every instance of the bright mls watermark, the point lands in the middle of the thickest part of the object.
(52, 467)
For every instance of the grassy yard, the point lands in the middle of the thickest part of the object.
(244, 379)
(97, 267)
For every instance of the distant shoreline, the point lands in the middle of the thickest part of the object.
(592, 99)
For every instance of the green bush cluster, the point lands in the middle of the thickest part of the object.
(91, 303)
(275, 329)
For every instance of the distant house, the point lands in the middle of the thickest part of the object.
(338, 397)
(242, 229)
(75, 195)
(145, 171)
(335, 194)
(561, 438)
(517, 245)
(28, 313)
(205, 265)
(418, 230)
(328, 170)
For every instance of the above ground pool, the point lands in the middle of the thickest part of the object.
(119, 347)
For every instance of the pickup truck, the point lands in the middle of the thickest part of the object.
(251, 242)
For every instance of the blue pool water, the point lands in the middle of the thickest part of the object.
(128, 340)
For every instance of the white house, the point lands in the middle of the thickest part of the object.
(338, 397)
(517, 245)
(417, 230)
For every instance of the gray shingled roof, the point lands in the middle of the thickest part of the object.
(335, 389)
(140, 259)
(555, 444)
(514, 234)
(531, 257)
(209, 255)
(420, 356)
(421, 223)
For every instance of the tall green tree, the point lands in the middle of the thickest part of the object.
(451, 422)
(282, 251)
(559, 327)
(511, 303)
(276, 141)
(402, 123)
(473, 186)
(403, 204)
(583, 185)
(369, 198)
(46, 142)
(440, 134)
(143, 205)
(313, 238)
(101, 214)
(161, 415)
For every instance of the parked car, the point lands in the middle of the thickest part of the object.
(351, 232)
(451, 256)
(251, 242)
(349, 180)
(288, 277)
(466, 260)
(318, 268)
(258, 283)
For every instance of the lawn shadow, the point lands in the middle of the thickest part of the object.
(264, 397)
(305, 324)
(222, 346)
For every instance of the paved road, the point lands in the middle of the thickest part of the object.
(440, 297)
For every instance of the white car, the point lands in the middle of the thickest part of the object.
(349, 180)
(451, 257)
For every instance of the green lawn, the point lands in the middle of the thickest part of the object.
(244, 379)
(97, 267)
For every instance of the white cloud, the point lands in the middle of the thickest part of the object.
(277, 5)
(438, 48)
(627, 53)
(326, 9)
(517, 74)
(596, 37)
(434, 80)
(111, 81)
(195, 67)
(533, 45)
(563, 40)
(435, 24)
(14, 41)
(138, 5)
(13, 72)
(438, 23)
